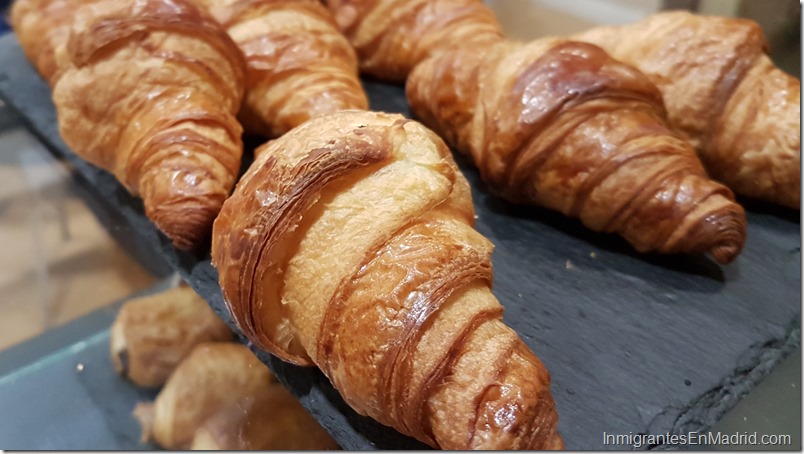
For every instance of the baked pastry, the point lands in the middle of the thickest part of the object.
(299, 66)
(148, 90)
(561, 124)
(214, 376)
(348, 244)
(392, 36)
(272, 419)
(152, 334)
(723, 91)
(43, 27)
(554, 123)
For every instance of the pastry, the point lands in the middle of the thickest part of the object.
(724, 93)
(348, 244)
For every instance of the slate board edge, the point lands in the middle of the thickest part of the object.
(758, 362)
(698, 414)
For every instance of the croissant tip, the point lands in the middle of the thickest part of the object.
(729, 240)
(725, 253)
(186, 224)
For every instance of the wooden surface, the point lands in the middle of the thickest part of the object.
(634, 343)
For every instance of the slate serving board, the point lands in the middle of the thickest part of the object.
(634, 343)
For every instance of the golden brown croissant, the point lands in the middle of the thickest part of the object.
(562, 125)
(299, 65)
(213, 376)
(349, 244)
(152, 334)
(149, 92)
(392, 36)
(555, 123)
(723, 91)
(42, 27)
(272, 419)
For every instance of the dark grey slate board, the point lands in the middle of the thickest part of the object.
(634, 343)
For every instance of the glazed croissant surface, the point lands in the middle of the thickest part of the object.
(723, 91)
(299, 66)
(554, 123)
(152, 334)
(149, 90)
(349, 245)
(43, 27)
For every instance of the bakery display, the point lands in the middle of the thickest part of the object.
(558, 124)
(152, 334)
(724, 93)
(149, 91)
(299, 66)
(348, 244)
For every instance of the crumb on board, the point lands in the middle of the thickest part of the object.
(79, 367)
(593, 255)
(569, 265)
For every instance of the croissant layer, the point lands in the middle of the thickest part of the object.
(722, 91)
(399, 314)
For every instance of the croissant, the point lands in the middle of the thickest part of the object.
(152, 334)
(299, 66)
(721, 89)
(348, 244)
(270, 420)
(213, 376)
(42, 27)
(562, 125)
(555, 123)
(392, 37)
(149, 91)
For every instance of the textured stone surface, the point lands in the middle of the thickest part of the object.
(634, 343)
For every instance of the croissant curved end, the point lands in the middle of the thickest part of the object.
(729, 240)
(186, 222)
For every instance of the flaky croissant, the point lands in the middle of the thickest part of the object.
(213, 376)
(150, 91)
(42, 27)
(562, 125)
(348, 244)
(152, 334)
(721, 89)
(554, 123)
(299, 66)
(392, 36)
